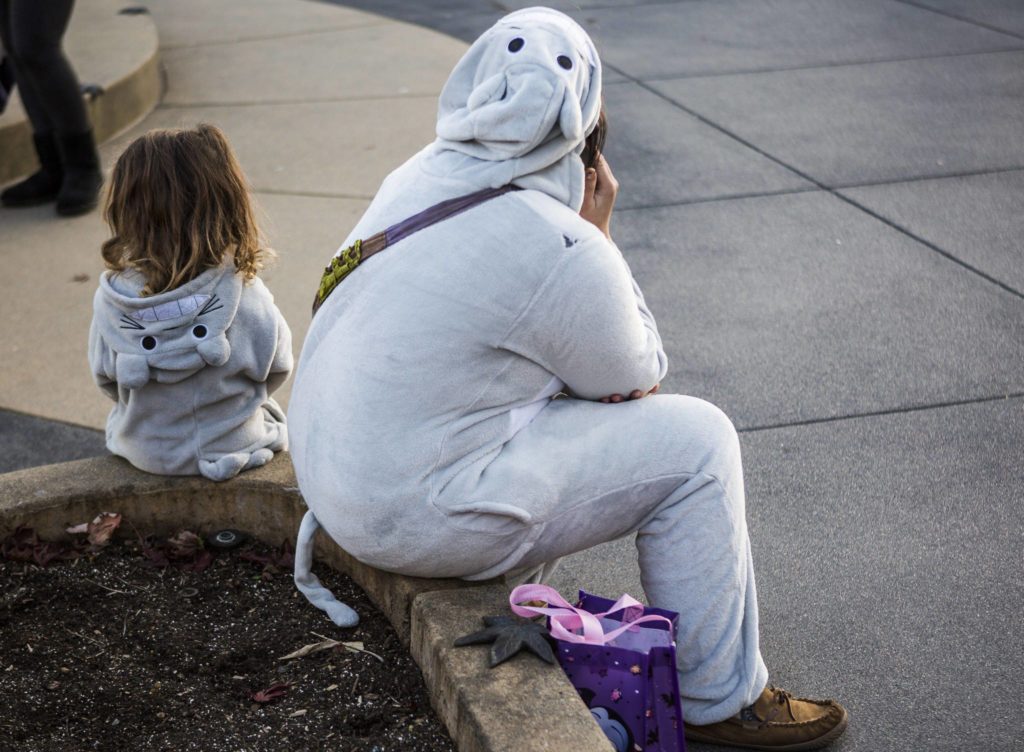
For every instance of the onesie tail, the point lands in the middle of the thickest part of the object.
(307, 582)
(228, 466)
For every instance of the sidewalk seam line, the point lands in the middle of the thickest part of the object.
(881, 413)
(815, 188)
(964, 19)
(292, 102)
(723, 197)
(268, 37)
(820, 184)
(921, 178)
(824, 65)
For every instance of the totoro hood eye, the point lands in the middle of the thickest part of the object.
(516, 44)
(565, 62)
(148, 342)
(199, 331)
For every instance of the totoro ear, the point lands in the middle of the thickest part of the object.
(570, 118)
(132, 370)
(590, 109)
(215, 351)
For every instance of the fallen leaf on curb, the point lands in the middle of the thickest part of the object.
(270, 693)
(281, 560)
(80, 278)
(185, 544)
(24, 545)
(185, 551)
(298, 713)
(99, 530)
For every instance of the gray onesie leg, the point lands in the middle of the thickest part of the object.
(666, 467)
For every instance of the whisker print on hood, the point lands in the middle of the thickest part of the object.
(213, 304)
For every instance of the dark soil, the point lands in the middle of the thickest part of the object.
(125, 648)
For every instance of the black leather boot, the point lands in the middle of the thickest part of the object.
(80, 189)
(42, 186)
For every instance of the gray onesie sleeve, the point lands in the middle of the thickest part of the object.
(588, 324)
(101, 362)
(270, 360)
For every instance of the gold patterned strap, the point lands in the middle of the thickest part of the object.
(343, 264)
(339, 268)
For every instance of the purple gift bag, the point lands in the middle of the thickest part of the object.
(621, 657)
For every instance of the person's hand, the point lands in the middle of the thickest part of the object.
(599, 192)
(634, 395)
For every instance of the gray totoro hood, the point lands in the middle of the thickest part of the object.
(519, 105)
(169, 336)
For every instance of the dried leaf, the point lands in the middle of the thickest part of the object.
(101, 528)
(44, 554)
(274, 563)
(25, 546)
(314, 647)
(200, 561)
(298, 713)
(184, 545)
(357, 647)
(154, 558)
(271, 693)
(326, 644)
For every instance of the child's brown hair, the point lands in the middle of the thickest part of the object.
(178, 202)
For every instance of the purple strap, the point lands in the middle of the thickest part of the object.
(441, 211)
(349, 258)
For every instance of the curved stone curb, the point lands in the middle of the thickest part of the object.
(523, 705)
(115, 52)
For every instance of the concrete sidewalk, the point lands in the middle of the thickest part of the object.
(821, 200)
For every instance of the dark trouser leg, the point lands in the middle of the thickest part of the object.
(49, 87)
(44, 184)
(32, 33)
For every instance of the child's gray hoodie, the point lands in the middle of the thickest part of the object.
(429, 357)
(190, 371)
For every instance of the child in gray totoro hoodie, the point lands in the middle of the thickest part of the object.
(185, 338)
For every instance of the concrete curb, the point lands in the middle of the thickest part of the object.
(128, 78)
(522, 705)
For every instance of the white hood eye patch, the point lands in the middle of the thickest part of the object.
(518, 43)
(149, 343)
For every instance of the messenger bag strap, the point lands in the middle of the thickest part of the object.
(343, 264)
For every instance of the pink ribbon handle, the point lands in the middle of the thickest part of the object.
(564, 618)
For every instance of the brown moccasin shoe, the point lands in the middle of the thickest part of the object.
(776, 721)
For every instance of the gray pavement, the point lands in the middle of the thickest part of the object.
(822, 201)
